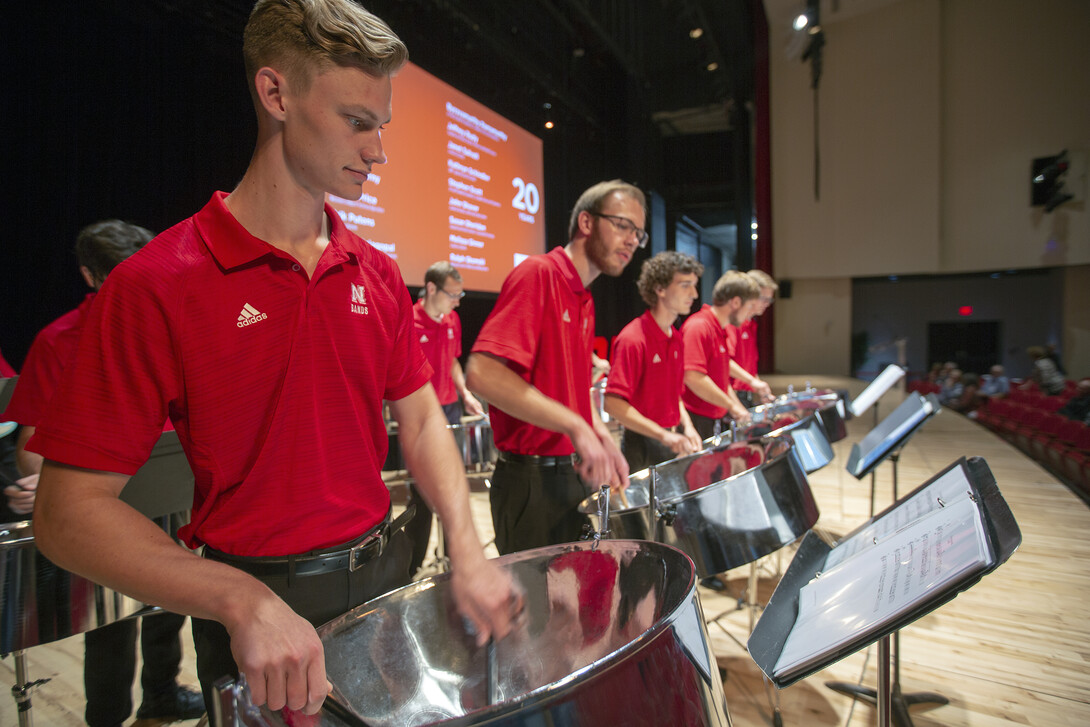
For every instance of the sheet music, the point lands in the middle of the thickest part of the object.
(881, 384)
(951, 486)
(904, 570)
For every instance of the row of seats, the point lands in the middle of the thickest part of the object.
(1060, 444)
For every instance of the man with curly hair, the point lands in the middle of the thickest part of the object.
(645, 383)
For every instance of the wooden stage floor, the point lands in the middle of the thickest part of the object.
(1014, 649)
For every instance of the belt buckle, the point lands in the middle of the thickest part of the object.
(358, 554)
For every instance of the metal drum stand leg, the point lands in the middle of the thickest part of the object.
(23, 689)
(890, 701)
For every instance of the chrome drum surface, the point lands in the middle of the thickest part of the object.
(611, 634)
(41, 603)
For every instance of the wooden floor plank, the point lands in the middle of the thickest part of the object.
(1014, 649)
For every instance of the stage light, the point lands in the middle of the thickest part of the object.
(713, 66)
(548, 107)
(1047, 186)
(696, 33)
(801, 21)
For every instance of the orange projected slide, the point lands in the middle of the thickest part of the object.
(461, 183)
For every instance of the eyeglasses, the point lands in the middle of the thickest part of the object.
(625, 226)
(453, 296)
(767, 299)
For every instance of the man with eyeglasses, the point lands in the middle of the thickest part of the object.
(439, 331)
(532, 363)
(751, 389)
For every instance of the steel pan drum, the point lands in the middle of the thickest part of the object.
(611, 635)
(721, 517)
(41, 603)
(474, 437)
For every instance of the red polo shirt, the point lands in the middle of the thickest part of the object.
(744, 351)
(705, 350)
(646, 370)
(273, 380)
(441, 342)
(52, 348)
(543, 325)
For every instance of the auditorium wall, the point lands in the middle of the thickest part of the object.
(928, 113)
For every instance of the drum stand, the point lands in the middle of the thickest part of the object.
(888, 697)
(23, 689)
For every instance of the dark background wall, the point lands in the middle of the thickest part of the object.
(138, 109)
(1025, 307)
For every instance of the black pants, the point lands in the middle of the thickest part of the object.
(705, 426)
(642, 452)
(419, 528)
(747, 398)
(318, 598)
(109, 657)
(535, 505)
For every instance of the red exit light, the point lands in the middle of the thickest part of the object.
(965, 310)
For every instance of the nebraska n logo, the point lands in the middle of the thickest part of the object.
(358, 303)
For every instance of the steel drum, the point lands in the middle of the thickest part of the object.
(41, 603)
(474, 437)
(721, 515)
(612, 634)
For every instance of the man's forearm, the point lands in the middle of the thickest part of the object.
(432, 456)
(489, 378)
(631, 418)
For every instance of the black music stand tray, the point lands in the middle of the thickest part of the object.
(7, 387)
(164, 484)
(972, 481)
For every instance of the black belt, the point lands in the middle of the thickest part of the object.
(350, 556)
(536, 460)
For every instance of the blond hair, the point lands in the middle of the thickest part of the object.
(304, 37)
(733, 284)
(764, 280)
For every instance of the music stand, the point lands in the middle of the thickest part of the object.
(164, 484)
(887, 439)
(7, 386)
(963, 500)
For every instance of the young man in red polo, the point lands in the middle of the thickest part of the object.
(749, 387)
(109, 651)
(644, 388)
(532, 363)
(270, 335)
(439, 332)
(708, 393)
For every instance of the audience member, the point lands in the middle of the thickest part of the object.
(1078, 406)
(952, 387)
(969, 398)
(1045, 374)
(994, 384)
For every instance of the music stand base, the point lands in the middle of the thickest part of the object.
(900, 702)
